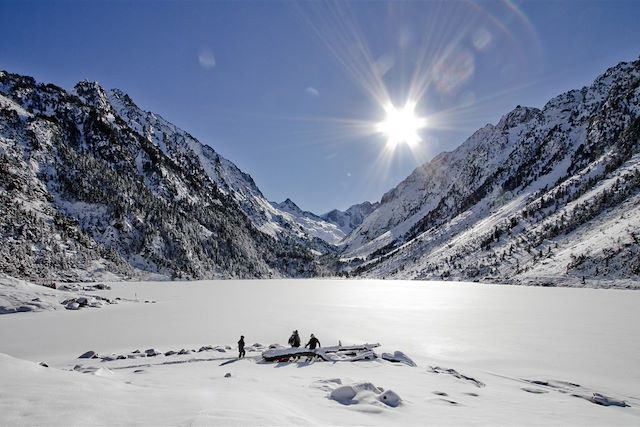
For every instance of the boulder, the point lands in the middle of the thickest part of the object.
(343, 394)
(151, 352)
(83, 301)
(72, 306)
(88, 355)
(398, 357)
(390, 398)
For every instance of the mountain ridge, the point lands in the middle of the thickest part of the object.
(434, 223)
(94, 186)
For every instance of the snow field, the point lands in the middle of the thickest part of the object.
(485, 355)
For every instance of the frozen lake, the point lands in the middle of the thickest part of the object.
(498, 334)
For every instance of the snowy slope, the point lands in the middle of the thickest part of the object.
(86, 193)
(270, 218)
(523, 200)
(313, 225)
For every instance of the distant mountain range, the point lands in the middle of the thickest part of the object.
(92, 186)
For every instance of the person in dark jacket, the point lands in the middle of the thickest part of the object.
(313, 342)
(241, 351)
(294, 339)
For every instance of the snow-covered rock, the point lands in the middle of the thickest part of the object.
(398, 357)
(88, 355)
(390, 398)
(21, 296)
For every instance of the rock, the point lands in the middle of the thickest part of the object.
(390, 398)
(135, 351)
(398, 357)
(358, 387)
(227, 375)
(88, 355)
(83, 301)
(603, 400)
(534, 390)
(151, 352)
(343, 394)
(72, 306)
(184, 351)
(121, 357)
(108, 358)
(205, 348)
(43, 364)
(170, 353)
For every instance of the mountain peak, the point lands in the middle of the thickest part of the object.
(92, 93)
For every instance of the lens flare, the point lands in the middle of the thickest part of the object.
(401, 125)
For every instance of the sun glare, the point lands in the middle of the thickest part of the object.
(401, 125)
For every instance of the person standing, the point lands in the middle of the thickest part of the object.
(294, 339)
(241, 351)
(313, 342)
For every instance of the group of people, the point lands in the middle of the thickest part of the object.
(294, 341)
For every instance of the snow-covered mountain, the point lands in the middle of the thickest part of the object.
(312, 224)
(92, 184)
(544, 196)
(270, 218)
(350, 219)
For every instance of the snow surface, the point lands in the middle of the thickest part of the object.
(485, 355)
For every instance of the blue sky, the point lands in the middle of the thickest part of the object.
(291, 92)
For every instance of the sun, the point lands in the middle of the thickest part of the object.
(401, 125)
